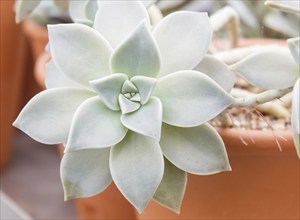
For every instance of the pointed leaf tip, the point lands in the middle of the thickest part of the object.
(137, 55)
(137, 168)
(147, 120)
(190, 98)
(172, 187)
(198, 150)
(94, 126)
(269, 69)
(85, 173)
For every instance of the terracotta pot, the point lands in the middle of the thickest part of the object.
(17, 81)
(263, 184)
(37, 36)
(39, 68)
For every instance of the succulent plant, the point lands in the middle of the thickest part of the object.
(129, 106)
(131, 102)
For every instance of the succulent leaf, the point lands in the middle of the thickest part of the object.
(269, 69)
(294, 46)
(190, 98)
(218, 71)
(147, 120)
(137, 55)
(47, 116)
(81, 45)
(79, 183)
(198, 150)
(110, 22)
(171, 190)
(94, 125)
(108, 89)
(178, 36)
(137, 167)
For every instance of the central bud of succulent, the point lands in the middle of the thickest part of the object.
(118, 92)
(129, 99)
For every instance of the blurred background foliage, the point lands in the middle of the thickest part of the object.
(257, 20)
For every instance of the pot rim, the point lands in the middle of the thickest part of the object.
(264, 139)
(34, 30)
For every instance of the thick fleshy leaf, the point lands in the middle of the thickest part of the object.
(126, 105)
(54, 78)
(290, 6)
(145, 86)
(85, 173)
(24, 8)
(183, 39)
(83, 11)
(294, 46)
(288, 25)
(136, 98)
(199, 150)
(137, 55)
(47, 116)
(172, 187)
(269, 69)
(87, 23)
(218, 71)
(77, 10)
(245, 12)
(137, 168)
(147, 120)
(79, 52)
(109, 88)
(91, 9)
(295, 117)
(190, 98)
(95, 126)
(128, 87)
(116, 19)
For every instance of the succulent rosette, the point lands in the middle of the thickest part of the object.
(127, 101)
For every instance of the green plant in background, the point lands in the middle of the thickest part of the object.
(61, 11)
(131, 102)
(256, 20)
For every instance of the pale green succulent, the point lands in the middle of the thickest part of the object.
(130, 105)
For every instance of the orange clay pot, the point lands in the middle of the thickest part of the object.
(263, 184)
(17, 81)
(37, 36)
